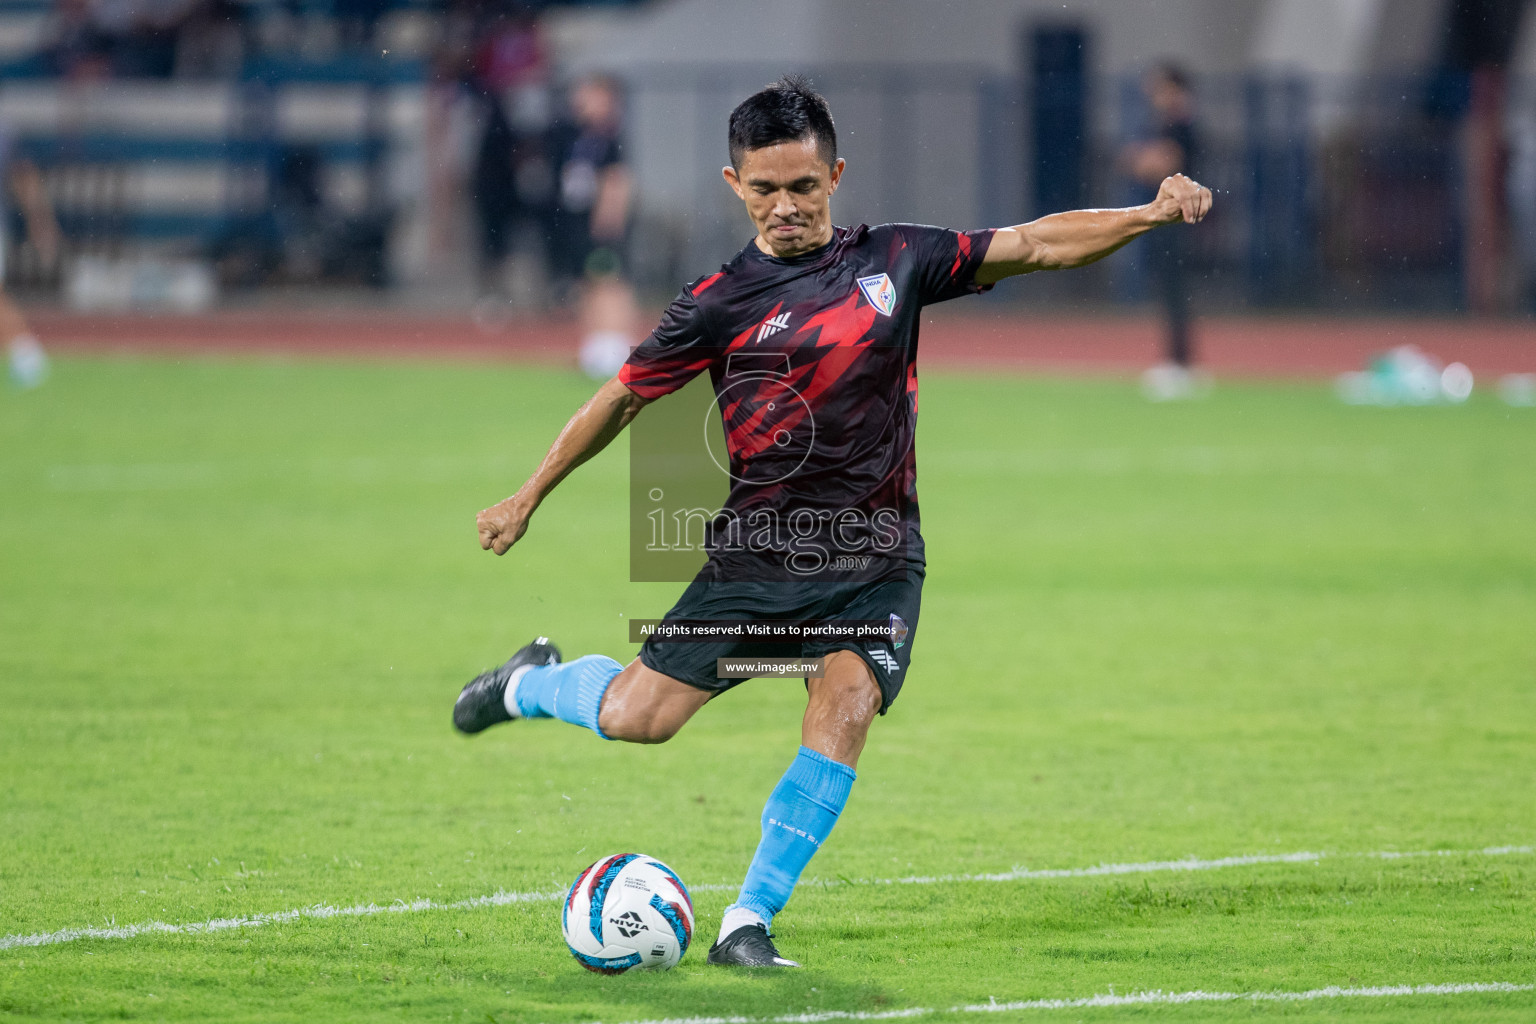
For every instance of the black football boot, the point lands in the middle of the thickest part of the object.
(482, 703)
(748, 946)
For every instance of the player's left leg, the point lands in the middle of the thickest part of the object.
(634, 703)
(646, 706)
(803, 807)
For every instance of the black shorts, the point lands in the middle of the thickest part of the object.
(694, 663)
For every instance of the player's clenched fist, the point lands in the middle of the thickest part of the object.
(502, 525)
(1183, 198)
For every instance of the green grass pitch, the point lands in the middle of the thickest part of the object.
(238, 597)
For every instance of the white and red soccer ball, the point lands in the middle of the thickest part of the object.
(627, 912)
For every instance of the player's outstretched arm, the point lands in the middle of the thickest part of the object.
(1079, 237)
(589, 431)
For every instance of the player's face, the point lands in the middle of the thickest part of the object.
(788, 190)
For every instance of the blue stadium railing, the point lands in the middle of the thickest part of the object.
(1331, 190)
(251, 144)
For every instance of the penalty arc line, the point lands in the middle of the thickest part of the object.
(502, 899)
(1151, 998)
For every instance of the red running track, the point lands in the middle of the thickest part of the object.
(1003, 340)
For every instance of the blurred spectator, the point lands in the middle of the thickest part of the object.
(1479, 41)
(299, 236)
(1522, 205)
(27, 363)
(1172, 147)
(512, 184)
(118, 38)
(211, 41)
(78, 48)
(591, 210)
(357, 19)
(511, 50)
(143, 34)
(590, 219)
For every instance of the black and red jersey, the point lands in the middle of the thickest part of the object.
(813, 359)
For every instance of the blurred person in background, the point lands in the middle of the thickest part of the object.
(357, 20)
(78, 47)
(94, 39)
(143, 34)
(1173, 146)
(211, 41)
(589, 221)
(1521, 187)
(511, 178)
(27, 362)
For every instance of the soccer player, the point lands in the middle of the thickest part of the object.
(810, 338)
(1174, 147)
(27, 361)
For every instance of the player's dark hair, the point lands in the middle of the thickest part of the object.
(787, 110)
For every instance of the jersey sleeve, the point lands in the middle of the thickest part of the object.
(946, 260)
(678, 350)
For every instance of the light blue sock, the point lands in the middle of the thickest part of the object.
(798, 818)
(572, 692)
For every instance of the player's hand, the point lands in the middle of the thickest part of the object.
(503, 524)
(1182, 198)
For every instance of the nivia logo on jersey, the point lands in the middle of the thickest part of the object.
(773, 325)
(880, 292)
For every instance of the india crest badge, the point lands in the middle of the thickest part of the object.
(877, 288)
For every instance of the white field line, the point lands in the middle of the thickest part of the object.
(1110, 999)
(501, 899)
(319, 910)
(1188, 864)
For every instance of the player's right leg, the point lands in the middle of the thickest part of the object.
(635, 703)
(802, 809)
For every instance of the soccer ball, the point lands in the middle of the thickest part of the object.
(627, 912)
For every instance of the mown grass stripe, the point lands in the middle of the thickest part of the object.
(1154, 997)
(501, 899)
